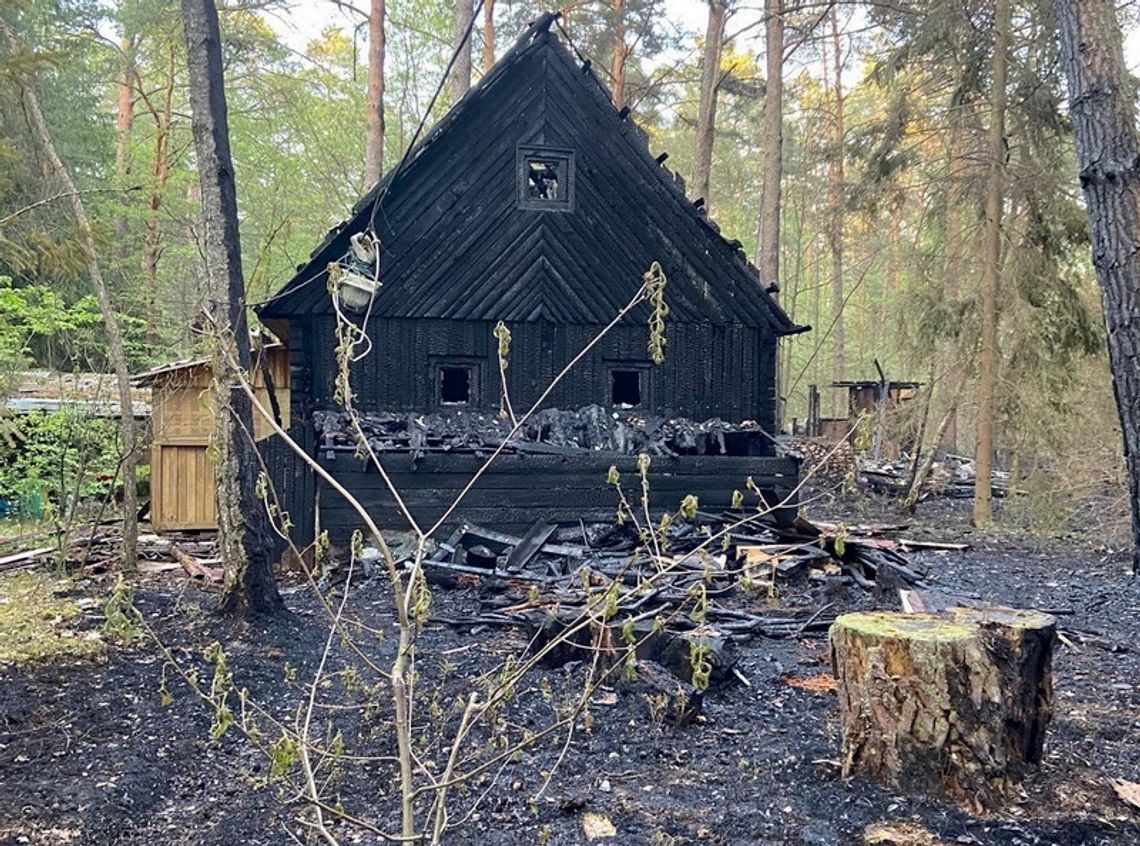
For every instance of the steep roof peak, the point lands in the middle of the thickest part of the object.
(452, 189)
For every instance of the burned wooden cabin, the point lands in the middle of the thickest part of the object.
(536, 203)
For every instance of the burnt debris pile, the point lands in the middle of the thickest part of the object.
(590, 428)
(697, 586)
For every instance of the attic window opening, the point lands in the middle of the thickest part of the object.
(455, 385)
(542, 179)
(546, 179)
(625, 388)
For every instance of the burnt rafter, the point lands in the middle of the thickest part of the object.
(461, 238)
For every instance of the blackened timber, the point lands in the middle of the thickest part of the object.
(462, 248)
(540, 95)
(519, 489)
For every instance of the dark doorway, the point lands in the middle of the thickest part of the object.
(625, 388)
(455, 385)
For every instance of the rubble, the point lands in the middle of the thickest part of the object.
(703, 589)
(550, 430)
(952, 477)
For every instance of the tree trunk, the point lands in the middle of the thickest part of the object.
(835, 207)
(488, 35)
(892, 279)
(124, 126)
(772, 141)
(952, 268)
(159, 174)
(988, 359)
(115, 348)
(461, 73)
(1104, 123)
(801, 253)
(955, 704)
(706, 111)
(617, 70)
(374, 134)
(243, 532)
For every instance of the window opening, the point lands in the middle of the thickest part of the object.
(625, 388)
(455, 385)
(543, 179)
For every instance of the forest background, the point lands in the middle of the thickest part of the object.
(884, 120)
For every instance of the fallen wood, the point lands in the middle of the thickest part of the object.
(530, 545)
(197, 569)
(446, 574)
(668, 698)
(704, 656)
(908, 544)
(26, 558)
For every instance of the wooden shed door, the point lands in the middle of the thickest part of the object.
(182, 488)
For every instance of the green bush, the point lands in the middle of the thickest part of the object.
(46, 459)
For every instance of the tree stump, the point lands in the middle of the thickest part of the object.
(955, 703)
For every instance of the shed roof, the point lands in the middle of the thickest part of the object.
(455, 242)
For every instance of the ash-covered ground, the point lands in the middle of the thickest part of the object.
(89, 754)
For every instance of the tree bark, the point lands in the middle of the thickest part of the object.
(617, 69)
(772, 141)
(115, 348)
(956, 703)
(952, 268)
(243, 532)
(988, 357)
(835, 221)
(488, 36)
(374, 133)
(1108, 154)
(461, 72)
(124, 126)
(706, 111)
(159, 174)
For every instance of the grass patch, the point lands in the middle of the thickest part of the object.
(36, 625)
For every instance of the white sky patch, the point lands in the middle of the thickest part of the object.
(302, 22)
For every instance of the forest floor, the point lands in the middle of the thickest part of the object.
(89, 754)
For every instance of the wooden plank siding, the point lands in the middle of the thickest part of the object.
(709, 371)
(183, 488)
(461, 249)
(456, 243)
(518, 489)
(292, 488)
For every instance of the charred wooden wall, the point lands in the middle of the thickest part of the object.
(520, 489)
(293, 486)
(709, 370)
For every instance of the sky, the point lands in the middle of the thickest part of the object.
(304, 20)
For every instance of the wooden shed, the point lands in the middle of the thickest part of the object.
(183, 488)
(534, 203)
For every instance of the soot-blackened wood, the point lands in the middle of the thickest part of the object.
(709, 371)
(292, 483)
(244, 538)
(1101, 104)
(520, 489)
(461, 252)
(457, 194)
(955, 704)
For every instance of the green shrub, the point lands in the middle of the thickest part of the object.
(46, 459)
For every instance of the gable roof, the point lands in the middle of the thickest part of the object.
(456, 244)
